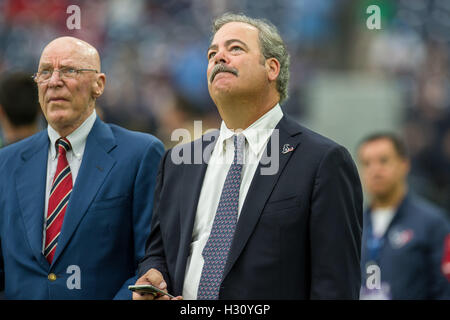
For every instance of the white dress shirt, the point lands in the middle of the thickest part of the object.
(257, 135)
(381, 219)
(74, 156)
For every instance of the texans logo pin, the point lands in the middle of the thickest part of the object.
(286, 148)
(399, 238)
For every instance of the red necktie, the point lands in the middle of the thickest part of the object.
(58, 200)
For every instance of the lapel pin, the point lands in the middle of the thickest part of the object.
(287, 148)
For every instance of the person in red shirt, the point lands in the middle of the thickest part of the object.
(446, 258)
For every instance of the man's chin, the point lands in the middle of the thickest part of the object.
(58, 119)
(382, 194)
(58, 114)
(222, 88)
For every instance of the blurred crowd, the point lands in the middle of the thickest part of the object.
(154, 55)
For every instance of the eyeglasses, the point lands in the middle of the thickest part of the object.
(64, 73)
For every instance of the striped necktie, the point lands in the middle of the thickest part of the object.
(215, 252)
(58, 200)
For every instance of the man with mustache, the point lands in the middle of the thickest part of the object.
(75, 199)
(224, 228)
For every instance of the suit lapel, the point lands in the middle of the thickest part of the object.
(260, 189)
(95, 167)
(30, 185)
(193, 175)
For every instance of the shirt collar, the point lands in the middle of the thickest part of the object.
(77, 138)
(257, 133)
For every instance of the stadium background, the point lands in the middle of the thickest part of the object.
(346, 80)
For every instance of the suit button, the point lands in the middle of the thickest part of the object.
(52, 277)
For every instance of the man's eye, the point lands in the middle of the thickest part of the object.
(68, 70)
(236, 48)
(211, 55)
(45, 72)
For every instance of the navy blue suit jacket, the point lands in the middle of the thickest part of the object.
(411, 255)
(105, 225)
(299, 232)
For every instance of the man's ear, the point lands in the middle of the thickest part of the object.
(99, 85)
(273, 68)
(3, 117)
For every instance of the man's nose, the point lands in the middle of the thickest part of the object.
(220, 57)
(55, 79)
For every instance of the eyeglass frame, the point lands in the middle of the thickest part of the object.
(77, 71)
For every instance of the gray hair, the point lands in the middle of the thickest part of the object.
(271, 44)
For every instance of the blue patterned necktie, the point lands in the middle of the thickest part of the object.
(218, 245)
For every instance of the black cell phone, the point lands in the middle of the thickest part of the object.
(148, 288)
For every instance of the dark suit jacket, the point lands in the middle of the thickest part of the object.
(105, 225)
(411, 255)
(299, 232)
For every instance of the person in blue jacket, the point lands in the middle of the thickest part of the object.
(76, 199)
(403, 234)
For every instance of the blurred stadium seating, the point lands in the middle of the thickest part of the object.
(346, 80)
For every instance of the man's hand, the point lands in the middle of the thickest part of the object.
(155, 278)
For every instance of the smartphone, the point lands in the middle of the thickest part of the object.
(148, 288)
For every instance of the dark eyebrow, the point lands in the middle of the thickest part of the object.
(227, 43)
(213, 46)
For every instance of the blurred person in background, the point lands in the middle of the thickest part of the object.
(19, 107)
(446, 258)
(75, 199)
(403, 234)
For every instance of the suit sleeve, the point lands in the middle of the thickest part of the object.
(143, 206)
(154, 253)
(2, 273)
(336, 228)
(2, 210)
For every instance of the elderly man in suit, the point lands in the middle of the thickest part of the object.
(224, 228)
(75, 199)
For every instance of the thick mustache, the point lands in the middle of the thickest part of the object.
(222, 68)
